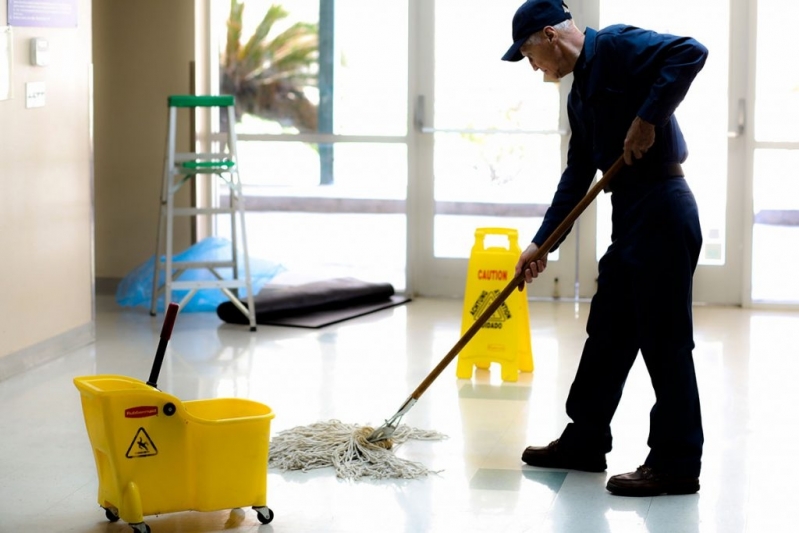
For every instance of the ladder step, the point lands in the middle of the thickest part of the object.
(210, 284)
(219, 164)
(190, 100)
(191, 156)
(186, 211)
(187, 265)
(180, 171)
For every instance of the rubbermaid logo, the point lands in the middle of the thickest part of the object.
(142, 411)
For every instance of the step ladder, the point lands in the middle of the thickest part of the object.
(179, 169)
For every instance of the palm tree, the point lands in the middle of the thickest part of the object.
(267, 75)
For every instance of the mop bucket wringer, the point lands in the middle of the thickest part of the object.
(157, 454)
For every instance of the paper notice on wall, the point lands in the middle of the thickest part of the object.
(5, 62)
(43, 13)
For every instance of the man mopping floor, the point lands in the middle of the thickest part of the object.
(627, 84)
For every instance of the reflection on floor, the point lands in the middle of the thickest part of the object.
(360, 371)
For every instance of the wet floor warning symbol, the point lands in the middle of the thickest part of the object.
(142, 446)
(500, 315)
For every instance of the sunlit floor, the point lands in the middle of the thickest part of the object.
(360, 371)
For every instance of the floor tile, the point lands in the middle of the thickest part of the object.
(361, 371)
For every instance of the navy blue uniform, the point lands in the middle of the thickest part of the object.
(643, 299)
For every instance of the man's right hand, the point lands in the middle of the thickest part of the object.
(530, 268)
(640, 138)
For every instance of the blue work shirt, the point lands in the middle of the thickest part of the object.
(623, 72)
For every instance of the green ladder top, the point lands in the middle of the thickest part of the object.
(221, 164)
(189, 100)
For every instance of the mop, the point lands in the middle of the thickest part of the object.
(360, 451)
(345, 448)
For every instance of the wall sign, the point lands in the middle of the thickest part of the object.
(43, 13)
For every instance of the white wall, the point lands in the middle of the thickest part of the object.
(46, 270)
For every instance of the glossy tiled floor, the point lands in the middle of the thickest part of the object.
(361, 371)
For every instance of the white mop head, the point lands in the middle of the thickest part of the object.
(345, 448)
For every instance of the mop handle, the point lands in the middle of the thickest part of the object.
(166, 333)
(542, 251)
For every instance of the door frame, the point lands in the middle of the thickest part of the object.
(444, 277)
(734, 286)
(748, 12)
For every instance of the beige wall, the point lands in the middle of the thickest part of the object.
(54, 237)
(142, 52)
(46, 270)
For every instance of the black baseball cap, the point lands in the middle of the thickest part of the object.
(531, 17)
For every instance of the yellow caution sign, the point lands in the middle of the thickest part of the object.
(505, 337)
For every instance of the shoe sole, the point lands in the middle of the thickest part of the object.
(581, 468)
(637, 492)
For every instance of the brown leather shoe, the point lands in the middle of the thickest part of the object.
(553, 456)
(647, 481)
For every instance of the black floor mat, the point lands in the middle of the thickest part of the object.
(318, 319)
(317, 304)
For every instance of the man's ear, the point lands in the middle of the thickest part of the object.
(551, 34)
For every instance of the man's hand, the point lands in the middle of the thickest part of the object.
(530, 268)
(640, 138)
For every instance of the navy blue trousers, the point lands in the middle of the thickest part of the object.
(643, 303)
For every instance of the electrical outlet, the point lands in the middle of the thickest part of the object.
(34, 94)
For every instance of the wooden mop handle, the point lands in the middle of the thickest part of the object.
(542, 251)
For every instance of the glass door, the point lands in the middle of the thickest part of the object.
(774, 152)
(489, 142)
(375, 137)
(322, 127)
(711, 120)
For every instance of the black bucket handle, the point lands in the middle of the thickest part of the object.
(166, 333)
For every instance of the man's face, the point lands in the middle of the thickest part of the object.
(546, 56)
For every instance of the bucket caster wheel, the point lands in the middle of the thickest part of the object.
(265, 514)
(141, 527)
(111, 514)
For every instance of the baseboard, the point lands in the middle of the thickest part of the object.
(106, 285)
(46, 351)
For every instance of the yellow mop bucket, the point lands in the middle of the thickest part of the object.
(505, 337)
(156, 454)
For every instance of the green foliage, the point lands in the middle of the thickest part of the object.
(268, 74)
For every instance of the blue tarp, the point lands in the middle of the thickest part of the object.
(135, 289)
